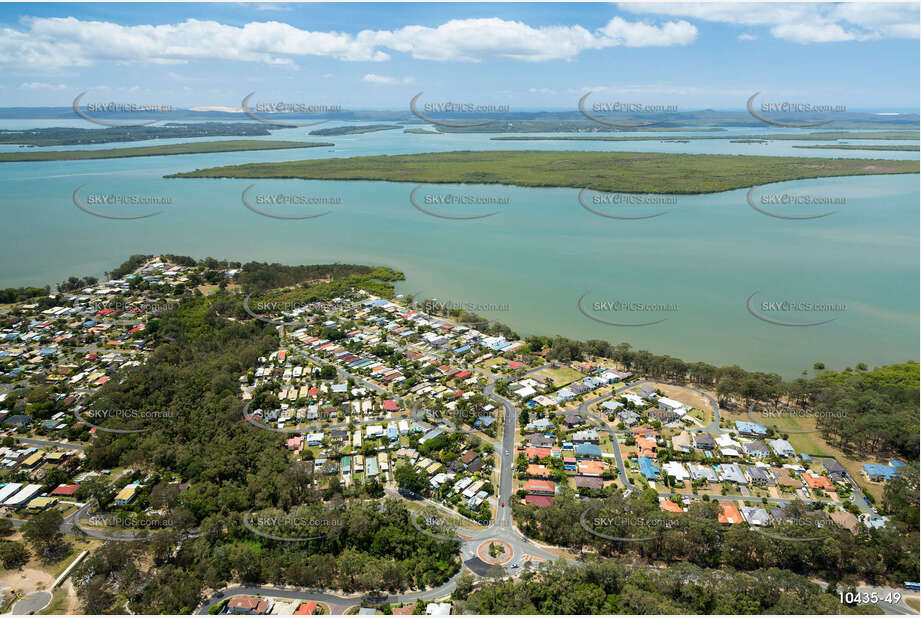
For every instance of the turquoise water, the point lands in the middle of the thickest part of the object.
(536, 256)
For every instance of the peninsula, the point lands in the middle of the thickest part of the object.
(156, 151)
(634, 172)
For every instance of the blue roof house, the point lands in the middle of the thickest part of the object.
(649, 471)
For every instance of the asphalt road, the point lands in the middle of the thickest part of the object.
(63, 445)
(502, 527)
(32, 603)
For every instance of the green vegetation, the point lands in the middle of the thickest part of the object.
(867, 147)
(422, 131)
(15, 295)
(608, 588)
(633, 172)
(735, 138)
(156, 151)
(874, 413)
(324, 280)
(202, 347)
(697, 537)
(70, 136)
(354, 129)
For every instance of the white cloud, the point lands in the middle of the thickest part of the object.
(634, 34)
(804, 22)
(41, 86)
(55, 43)
(371, 78)
(747, 37)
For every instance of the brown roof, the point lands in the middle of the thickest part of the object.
(785, 480)
(247, 603)
(844, 520)
(539, 500)
(589, 482)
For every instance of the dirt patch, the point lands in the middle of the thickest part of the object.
(878, 168)
(685, 396)
(29, 578)
(73, 601)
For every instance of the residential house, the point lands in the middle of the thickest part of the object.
(672, 405)
(540, 488)
(586, 435)
(127, 494)
(663, 415)
(682, 442)
(814, 481)
(589, 482)
(675, 470)
(834, 470)
(878, 473)
(757, 449)
(704, 442)
(670, 507)
(756, 516)
(649, 471)
(782, 448)
(751, 430)
(732, 473)
(588, 450)
(845, 520)
(699, 472)
(760, 476)
(729, 514)
(591, 468)
(539, 440)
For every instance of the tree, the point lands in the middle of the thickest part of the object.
(95, 488)
(13, 555)
(409, 478)
(44, 532)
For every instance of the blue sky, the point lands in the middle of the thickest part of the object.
(526, 56)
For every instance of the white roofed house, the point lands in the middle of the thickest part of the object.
(635, 399)
(525, 391)
(374, 431)
(707, 473)
(314, 439)
(675, 406)
(676, 470)
(732, 473)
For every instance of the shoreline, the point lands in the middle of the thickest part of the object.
(616, 172)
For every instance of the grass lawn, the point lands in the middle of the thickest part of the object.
(58, 603)
(560, 376)
(489, 363)
(914, 603)
(706, 417)
(633, 172)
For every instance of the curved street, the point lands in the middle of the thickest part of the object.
(502, 527)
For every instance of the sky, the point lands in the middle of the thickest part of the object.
(522, 55)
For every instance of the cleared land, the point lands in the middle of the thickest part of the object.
(633, 172)
(156, 151)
